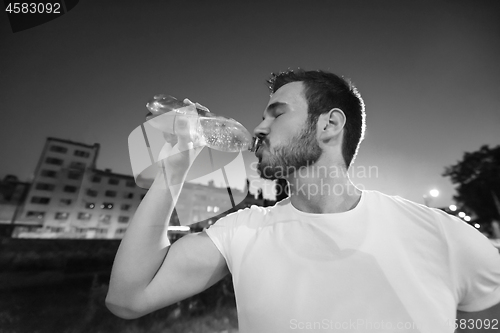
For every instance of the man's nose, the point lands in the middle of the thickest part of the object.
(262, 130)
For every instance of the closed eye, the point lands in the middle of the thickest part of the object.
(276, 109)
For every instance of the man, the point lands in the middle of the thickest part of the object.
(330, 257)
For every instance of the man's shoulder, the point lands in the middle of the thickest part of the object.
(254, 215)
(407, 207)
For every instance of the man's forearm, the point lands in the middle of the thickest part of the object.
(145, 244)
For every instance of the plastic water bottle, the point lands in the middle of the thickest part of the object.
(217, 132)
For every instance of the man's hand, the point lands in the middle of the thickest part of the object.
(183, 146)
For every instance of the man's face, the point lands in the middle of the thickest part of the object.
(290, 141)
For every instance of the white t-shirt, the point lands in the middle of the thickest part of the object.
(388, 265)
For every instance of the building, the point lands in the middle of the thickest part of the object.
(70, 198)
(60, 174)
(207, 201)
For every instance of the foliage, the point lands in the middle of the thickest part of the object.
(50, 293)
(74, 261)
(282, 189)
(7, 187)
(209, 311)
(79, 307)
(477, 179)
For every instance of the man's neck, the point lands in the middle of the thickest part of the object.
(322, 193)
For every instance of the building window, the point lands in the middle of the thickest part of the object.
(76, 175)
(105, 218)
(107, 205)
(89, 205)
(81, 153)
(113, 181)
(62, 216)
(84, 216)
(120, 231)
(44, 187)
(48, 173)
(54, 161)
(123, 219)
(70, 189)
(80, 230)
(91, 193)
(110, 194)
(58, 149)
(125, 207)
(77, 165)
(65, 202)
(40, 200)
(35, 214)
(54, 229)
(130, 183)
(128, 195)
(102, 231)
(96, 179)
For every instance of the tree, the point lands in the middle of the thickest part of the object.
(282, 190)
(8, 187)
(477, 180)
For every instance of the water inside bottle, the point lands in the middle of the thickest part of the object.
(219, 133)
(224, 134)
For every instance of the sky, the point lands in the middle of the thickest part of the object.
(428, 71)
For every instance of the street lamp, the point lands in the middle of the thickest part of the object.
(434, 193)
(453, 208)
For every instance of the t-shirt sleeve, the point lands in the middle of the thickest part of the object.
(222, 233)
(475, 265)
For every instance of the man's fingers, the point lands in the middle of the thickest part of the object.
(201, 107)
(170, 138)
(197, 105)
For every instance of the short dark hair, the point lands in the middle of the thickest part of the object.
(325, 91)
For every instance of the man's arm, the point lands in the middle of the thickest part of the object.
(144, 278)
(482, 321)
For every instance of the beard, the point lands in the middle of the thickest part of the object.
(301, 151)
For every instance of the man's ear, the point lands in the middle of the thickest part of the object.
(331, 123)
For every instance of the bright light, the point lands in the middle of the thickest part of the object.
(434, 193)
(467, 218)
(477, 225)
(453, 208)
(461, 214)
(179, 228)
